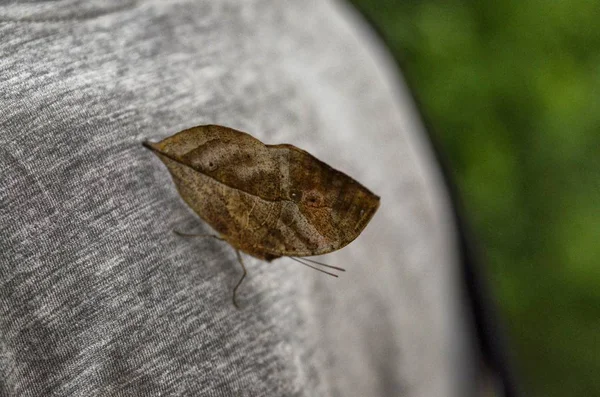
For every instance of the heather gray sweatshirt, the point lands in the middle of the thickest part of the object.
(99, 298)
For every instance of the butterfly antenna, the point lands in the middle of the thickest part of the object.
(313, 267)
(323, 264)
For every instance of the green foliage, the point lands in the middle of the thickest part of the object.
(513, 91)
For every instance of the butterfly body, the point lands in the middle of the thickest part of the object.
(265, 200)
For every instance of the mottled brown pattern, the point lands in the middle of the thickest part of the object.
(265, 200)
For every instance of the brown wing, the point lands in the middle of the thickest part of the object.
(267, 201)
(331, 209)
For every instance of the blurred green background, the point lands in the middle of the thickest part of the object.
(512, 90)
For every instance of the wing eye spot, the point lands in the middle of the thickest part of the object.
(314, 199)
(296, 195)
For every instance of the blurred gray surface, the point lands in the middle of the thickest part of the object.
(99, 297)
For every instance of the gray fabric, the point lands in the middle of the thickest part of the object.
(99, 297)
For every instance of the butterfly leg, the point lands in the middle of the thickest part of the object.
(197, 235)
(239, 256)
(236, 252)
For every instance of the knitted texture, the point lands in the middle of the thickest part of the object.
(98, 296)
